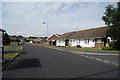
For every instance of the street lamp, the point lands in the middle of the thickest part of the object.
(47, 28)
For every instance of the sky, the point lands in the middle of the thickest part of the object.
(26, 18)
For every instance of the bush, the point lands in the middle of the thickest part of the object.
(59, 46)
(64, 46)
(78, 46)
(115, 45)
(107, 48)
(69, 46)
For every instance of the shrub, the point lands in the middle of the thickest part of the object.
(78, 46)
(107, 48)
(64, 46)
(69, 46)
(59, 46)
(115, 45)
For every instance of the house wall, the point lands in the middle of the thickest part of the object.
(81, 42)
(1, 39)
(60, 43)
(1, 44)
(52, 38)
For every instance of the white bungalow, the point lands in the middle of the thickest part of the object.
(94, 38)
(62, 40)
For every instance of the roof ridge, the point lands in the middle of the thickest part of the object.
(69, 32)
(92, 28)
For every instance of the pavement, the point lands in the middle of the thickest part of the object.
(42, 62)
(89, 51)
(11, 49)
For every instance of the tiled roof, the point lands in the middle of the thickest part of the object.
(90, 33)
(66, 35)
(54, 37)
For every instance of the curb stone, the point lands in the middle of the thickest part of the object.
(8, 61)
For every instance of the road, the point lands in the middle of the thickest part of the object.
(42, 62)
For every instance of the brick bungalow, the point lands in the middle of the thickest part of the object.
(14, 38)
(37, 40)
(52, 39)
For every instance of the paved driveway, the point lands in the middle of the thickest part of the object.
(41, 62)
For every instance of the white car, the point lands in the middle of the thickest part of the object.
(31, 42)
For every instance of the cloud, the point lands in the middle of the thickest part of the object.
(27, 18)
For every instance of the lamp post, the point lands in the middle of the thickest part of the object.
(47, 28)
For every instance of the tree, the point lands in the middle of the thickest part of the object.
(20, 36)
(112, 19)
(7, 40)
(14, 36)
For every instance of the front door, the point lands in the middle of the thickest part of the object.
(66, 42)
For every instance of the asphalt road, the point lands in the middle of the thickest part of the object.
(41, 62)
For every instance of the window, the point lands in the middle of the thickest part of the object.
(70, 40)
(59, 41)
(86, 41)
(73, 40)
(62, 41)
(108, 40)
(78, 40)
(98, 40)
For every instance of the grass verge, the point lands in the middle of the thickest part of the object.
(12, 54)
(93, 49)
(7, 47)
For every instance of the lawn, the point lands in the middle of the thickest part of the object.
(19, 48)
(93, 49)
(7, 47)
(12, 54)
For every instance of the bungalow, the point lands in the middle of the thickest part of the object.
(37, 40)
(1, 43)
(52, 39)
(63, 39)
(94, 37)
(15, 38)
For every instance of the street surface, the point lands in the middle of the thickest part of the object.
(42, 62)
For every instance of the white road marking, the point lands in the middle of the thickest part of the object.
(98, 59)
(91, 57)
(86, 56)
(106, 61)
(82, 55)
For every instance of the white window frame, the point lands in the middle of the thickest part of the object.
(86, 41)
(98, 40)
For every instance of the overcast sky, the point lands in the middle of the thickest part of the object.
(26, 18)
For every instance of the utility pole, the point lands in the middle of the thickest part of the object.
(47, 28)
